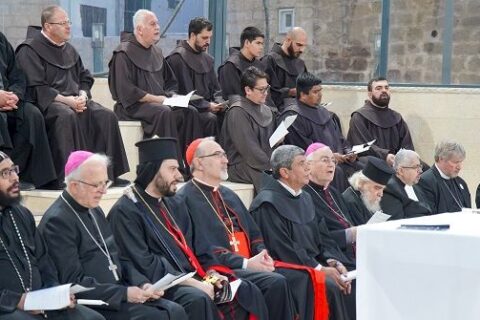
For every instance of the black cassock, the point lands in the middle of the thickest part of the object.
(444, 195)
(136, 71)
(22, 132)
(293, 233)
(195, 71)
(283, 71)
(53, 70)
(330, 206)
(383, 124)
(79, 260)
(146, 244)
(396, 202)
(359, 214)
(206, 221)
(44, 274)
(245, 137)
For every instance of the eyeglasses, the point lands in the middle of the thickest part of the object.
(418, 167)
(218, 154)
(62, 23)
(263, 89)
(327, 160)
(7, 173)
(99, 186)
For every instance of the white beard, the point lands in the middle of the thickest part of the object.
(224, 175)
(371, 206)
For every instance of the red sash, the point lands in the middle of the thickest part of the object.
(319, 288)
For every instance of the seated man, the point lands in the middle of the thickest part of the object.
(315, 123)
(81, 244)
(445, 191)
(140, 79)
(328, 201)
(155, 235)
(247, 128)
(366, 190)
(292, 230)
(59, 85)
(402, 198)
(24, 259)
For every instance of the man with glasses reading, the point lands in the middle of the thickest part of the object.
(59, 84)
(246, 130)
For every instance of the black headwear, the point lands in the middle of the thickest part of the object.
(378, 170)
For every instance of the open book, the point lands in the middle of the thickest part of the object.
(359, 148)
(169, 280)
(282, 130)
(178, 100)
(54, 298)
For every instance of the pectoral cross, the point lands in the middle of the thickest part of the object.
(234, 242)
(113, 267)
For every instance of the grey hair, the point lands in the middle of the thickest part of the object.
(139, 17)
(446, 149)
(283, 157)
(77, 173)
(357, 179)
(403, 158)
(48, 13)
(200, 150)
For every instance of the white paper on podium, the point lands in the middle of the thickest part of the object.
(378, 217)
(282, 130)
(359, 148)
(351, 275)
(169, 280)
(234, 285)
(90, 302)
(178, 100)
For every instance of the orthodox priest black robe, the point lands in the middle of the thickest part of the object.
(154, 252)
(283, 71)
(317, 124)
(22, 132)
(292, 233)
(79, 260)
(330, 206)
(136, 71)
(383, 124)
(44, 274)
(358, 212)
(53, 70)
(195, 71)
(444, 195)
(396, 202)
(206, 221)
(245, 138)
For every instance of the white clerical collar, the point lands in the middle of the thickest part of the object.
(215, 188)
(443, 175)
(295, 194)
(49, 39)
(410, 192)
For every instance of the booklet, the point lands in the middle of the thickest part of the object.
(54, 298)
(378, 217)
(90, 302)
(351, 275)
(227, 293)
(359, 148)
(169, 280)
(282, 130)
(178, 100)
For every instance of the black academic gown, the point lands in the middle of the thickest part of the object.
(245, 138)
(358, 212)
(22, 132)
(444, 195)
(44, 274)
(206, 221)
(292, 233)
(335, 222)
(53, 70)
(147, 244)
(383, 124)
(79, 260)
(396, 202)
(195, 71)
(283, 71)
(136, 71)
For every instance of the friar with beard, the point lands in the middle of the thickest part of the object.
(376, 120)
(366, 190)
(283, 65)
(24, 258)
(154, 234)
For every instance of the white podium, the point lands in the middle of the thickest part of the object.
(408, 274)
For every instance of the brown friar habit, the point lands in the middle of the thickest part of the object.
(245, 137)
(195, 71)
(53, 70)
(383, 124)
(136, 71)
(283, 71)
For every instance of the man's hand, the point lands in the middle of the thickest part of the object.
(350, 157)
(154, 294)
(215, 107)
(292, 92)
(137, 295)
(8, 100)
(160, 99)
(334, 274)
(220, 278)
(205, 287)
(389, 159)
(261, 262)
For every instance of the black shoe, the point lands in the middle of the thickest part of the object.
(26, 186)
(118, 182)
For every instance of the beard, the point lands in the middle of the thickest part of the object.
(372, 206)
(166, 189)
(224, 175)
(381, 101)
(292, 53)
(7, 200)
(200, 48)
